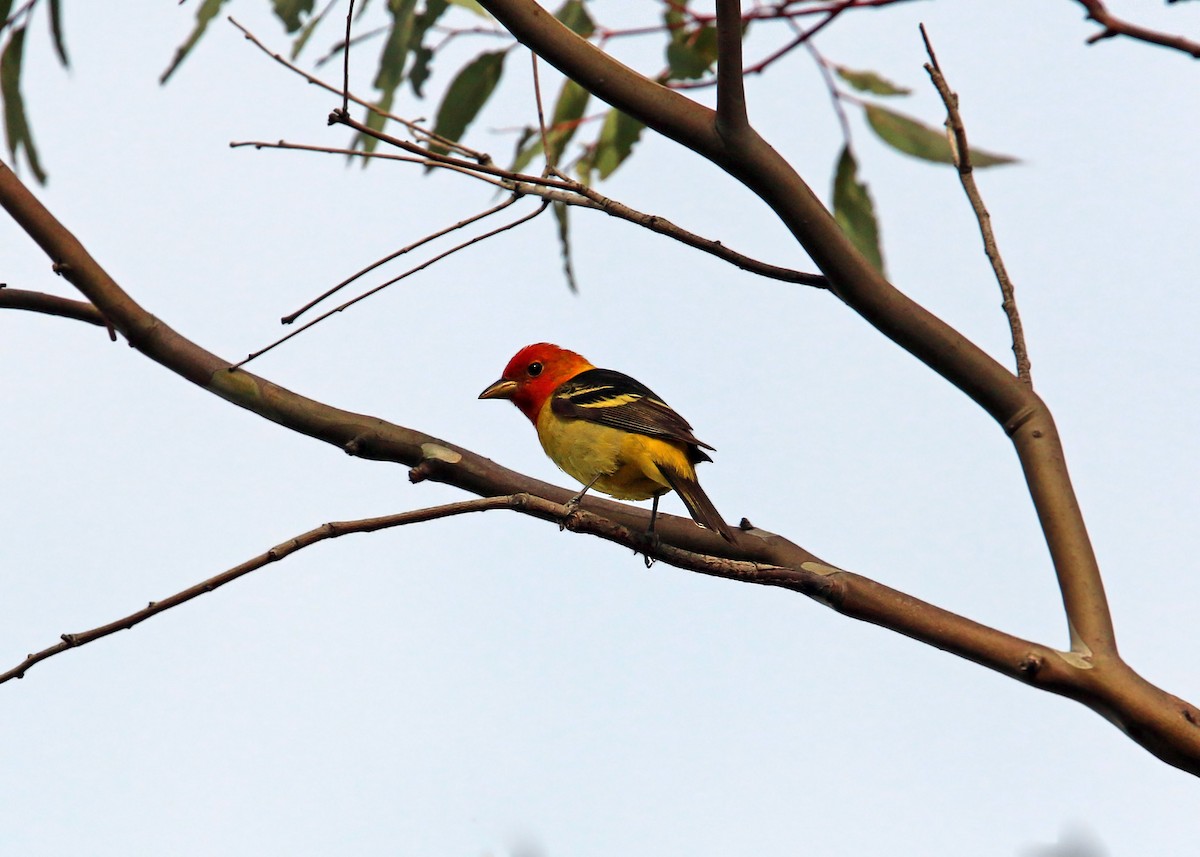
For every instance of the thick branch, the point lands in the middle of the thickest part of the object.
(1022, 414)
(1157, 720)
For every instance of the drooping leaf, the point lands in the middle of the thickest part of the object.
(854, 211)
(422, 53)
(616, 141)
(56, 31)
(472, 6)
(869, 81)
(568, 110)
(16, 125)
(907, 135)
(205, 13)
(574, 16)
(309, 28)
(375, 121)
(564, 243)
(395, 49)
(692, 52)
(422, 57)
(467, 94)
(527, 146)
(291, 11)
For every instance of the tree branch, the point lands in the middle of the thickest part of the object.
(1114, 26)
(966, 173)
(50, 305)
(1160, 722)
(731, 91)
(1022, 414)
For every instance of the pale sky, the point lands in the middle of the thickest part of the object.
(488, 685)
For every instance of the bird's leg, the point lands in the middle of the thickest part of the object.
(651, 536)
(573, 503)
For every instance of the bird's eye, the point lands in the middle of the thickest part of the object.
(534, 369)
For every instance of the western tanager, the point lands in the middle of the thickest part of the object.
(607, 430)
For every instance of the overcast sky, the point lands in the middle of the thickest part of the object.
(488, 685)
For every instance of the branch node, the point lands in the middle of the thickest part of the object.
(421, 472)
(1030, 666)
(69, 639)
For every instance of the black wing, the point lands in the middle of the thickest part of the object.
(614, 399)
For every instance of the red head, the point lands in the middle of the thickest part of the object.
(533, 374)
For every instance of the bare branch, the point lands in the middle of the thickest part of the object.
(331, 530)
(415, 128)
(384, 285)
(1114, 26)
(962, 157)
(51, 305)
(731, 92)
(475, 218)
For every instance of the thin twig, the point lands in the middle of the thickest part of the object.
(382, 286)
(51, 305)
(416, 129)
(572, 193)
(474, 218)
(330, 530)
(957, 134)
(1114, 26)
(835, 95)
(345, 59)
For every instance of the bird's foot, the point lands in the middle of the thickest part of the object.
(649, 542)
(569, 518)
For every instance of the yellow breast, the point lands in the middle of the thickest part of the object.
(623, 464)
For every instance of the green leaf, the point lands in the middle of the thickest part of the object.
(467, 94)
(472, 6)
(291, 11)
(309, 29)
(528, 145)
(422, 53)
(395, 50)
(869, 81)
(691, 53)
(907, 135)
(207, 11)
(568, 110)
(376, 122)
(16, 125)
(854, 211)
(56, 31)
(574, 16)
(616, 141)
(564, 242)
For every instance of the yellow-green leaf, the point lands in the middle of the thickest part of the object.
(56, 31)
(207, 11)
(854, 211)
(16, 125)
(691, 53)
(869, 81)
(291, 11)
(472, 6)
(907, 135)
(574, 16)
(467, 94)
(616, 141)
(564, 242)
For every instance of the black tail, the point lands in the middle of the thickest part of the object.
(701, 508)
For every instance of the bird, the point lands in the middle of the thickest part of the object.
(608, 431)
